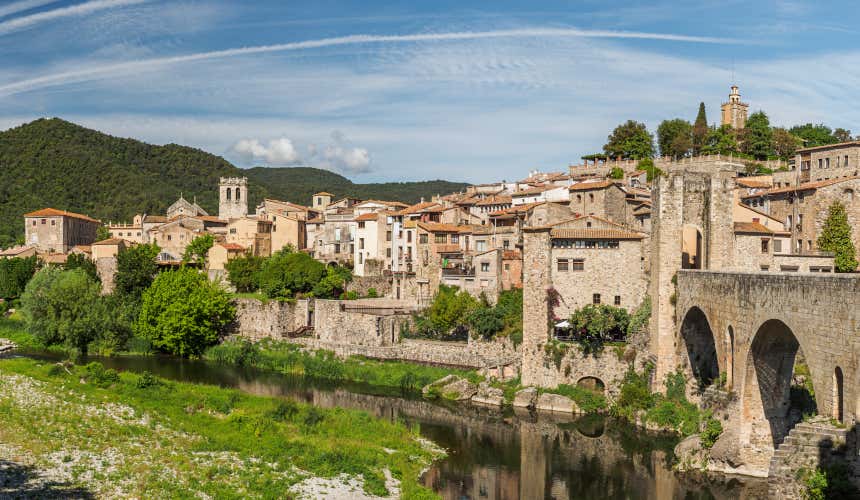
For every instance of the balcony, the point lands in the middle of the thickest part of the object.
(458, 272)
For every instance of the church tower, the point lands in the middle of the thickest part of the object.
(233, 197)
(735, 111)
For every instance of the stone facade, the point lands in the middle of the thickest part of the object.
(57, 231)
(362, 284)
(232, 198)
(274, 319)
(363, 322)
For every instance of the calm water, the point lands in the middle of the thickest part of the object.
(492, 455)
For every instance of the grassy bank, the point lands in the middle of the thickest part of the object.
(136, 435)
(290, 359)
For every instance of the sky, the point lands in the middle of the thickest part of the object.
(394, 91)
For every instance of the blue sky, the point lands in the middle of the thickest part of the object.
(385, 90)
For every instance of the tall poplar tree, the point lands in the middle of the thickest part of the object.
(700, 130)
(836, 237)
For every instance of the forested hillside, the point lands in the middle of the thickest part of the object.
(55, 163)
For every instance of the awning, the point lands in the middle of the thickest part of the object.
(563, 324)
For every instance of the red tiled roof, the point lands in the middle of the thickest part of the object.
(110, 241)
(583, 186)
(754, 182)
(751, 228)
(595, 234)
(803, 187)
(232, 246)
(427, 206)
(533, 190)
(436, 227)
(53, 212)
(366, 217)
(495, 200)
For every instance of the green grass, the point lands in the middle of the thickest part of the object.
(128, 435)
(588, 401)
(290, 359)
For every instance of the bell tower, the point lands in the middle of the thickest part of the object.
(232, 197)
(735, 111)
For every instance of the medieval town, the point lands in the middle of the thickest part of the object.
(698, 297)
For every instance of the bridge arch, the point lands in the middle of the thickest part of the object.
(700, 347)
(593, 384)
(768, 415)
(730, 356)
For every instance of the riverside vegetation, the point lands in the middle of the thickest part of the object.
(127, 435)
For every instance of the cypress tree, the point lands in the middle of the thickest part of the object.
(836, 237)
(700, 130)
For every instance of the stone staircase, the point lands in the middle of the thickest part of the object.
(809, 445)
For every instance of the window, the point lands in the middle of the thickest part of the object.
(820, 163)
(422, 238)
(169, 237)
(790, 269)
(809, 245)
(579, 198)
(562, 265)
(507, 267)
(485, 267)
(595, 299)
(506, 244)
(387, 235)
(481, 245)
(455, 238)
(228, 194)
(388, 252)
(34, 222)
(361, 225)
(138, 233)
(440, 238)
(777, 246)
(232, 230)
(578, 264)
(408, 236)
(765, 245)
(361, 243)
(351, 248)
(819, 269)
(53, 222)
(800, 222)
(337, 248)
(799, 245)
(360, 258)
(765, 267)
(827, 163)
(617, 300)
(591, 197)
(788, 223)
(43, 222)
(845, 163)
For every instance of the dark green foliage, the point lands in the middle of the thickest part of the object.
(65, 307)
(652, 171)
(102, 233)
(287, 273)
(99, 376)
(630, 140)
(842, 135)
(720, 141)
(135, 270)
(594, 325)
(814, 135)
(14, 275)
(675, 138)
(713, 429)
(831, 482)
(146, 380)
(700, 130)
(758, 136)
(447, 317)
(51, 162)
(784, 143)
(836, 237)
(640, 316)
(333, 284)
(616, 173)
(243, 272)
(198, 250)
(81, 261)
(486, 321)
(635, 394)
(183, 312)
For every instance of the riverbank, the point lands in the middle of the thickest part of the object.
(104, 433)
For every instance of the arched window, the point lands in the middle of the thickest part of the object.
(238, 194)
(228, 194)
(849, 195)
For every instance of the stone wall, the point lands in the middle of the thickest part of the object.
(273, 319)
(364, 322)
(362, 284)
(536, 287)
(106, 269)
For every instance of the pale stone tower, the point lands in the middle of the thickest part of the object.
(735, 111)
(233, 197)
(321, 200)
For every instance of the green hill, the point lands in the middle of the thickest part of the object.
(54, 163)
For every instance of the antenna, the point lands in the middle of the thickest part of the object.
(733, 70)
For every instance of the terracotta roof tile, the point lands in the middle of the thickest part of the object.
(595, 234)
(365, 217)
(583, 186)
(751, 228)
(495, 200)
(427, 206)
(53, 212)
(109, 241)
(436, 227)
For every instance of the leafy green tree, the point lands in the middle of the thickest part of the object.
(136, 268)
(836, 237)
(784, 143)
(102, 233)
(183, 313)
(814, 135)
(198, 250)
(596, 324)
(243, 272)
(334, 283)
(758, 137)
(81, 261)
(64, 307)
(700, 130)
(630, 140)
(286, 273)
(616, 173)
(652, 171)
(675, 138)
(447, 317)
(486, 321)
(842, 135)
(14, 275)
(720, 140)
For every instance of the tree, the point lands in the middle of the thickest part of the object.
(842, 135)
(814, 135)
(81, 261)
(198, 250)
(486, 321)
(651, 170)
(64, 307)
(700, 130)
(758, 137)
(675, 138)
(334, 283)
(720, 140)
(616, 173)
(447, 317)
(136, 267)
(836, 237)
(630, 140)
(286, 273)
(183, 313)
(593, 325)
(102, 233)
(784, 143)
(14, 275)
(243, 272)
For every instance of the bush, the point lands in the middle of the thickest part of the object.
(594, 325)
(640, 316)
(588, 401)
(286, 273)
(183, 312)
(99, 376)
(15, 274)
(372, 293)
(81, 261)
(198, 250)
(713, 429)
(486, 321)
(447, 316)
(146, 380)
(243, 273)
(334, 284)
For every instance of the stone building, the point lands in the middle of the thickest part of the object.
(608, 199)
(232, 197)
(221, 253)
(252, 234)
(734, 112)
(185, 208)
(372, 251)
(104, 256)
(57, 231)
(821, 163)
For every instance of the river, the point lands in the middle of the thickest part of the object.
(492, 455)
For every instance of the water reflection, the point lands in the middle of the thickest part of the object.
(492, 455)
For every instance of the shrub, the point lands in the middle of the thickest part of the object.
(588, 401)
(594, 325)
(198, 250)
(372, 293)
(640, 316)
(713, 429)
(286, 273)
(446, 318)
(146, 380)
(243, 273)
(334, 284)
(486, 321)
(836, 237)
(98, 375)
(183, 312)
(15, 273)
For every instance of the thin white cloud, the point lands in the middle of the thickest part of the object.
(23, 5)
(103, 71)
(277, 152)
(343, 157)
(82, 9)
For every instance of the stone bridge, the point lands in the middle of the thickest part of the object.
(752, 327)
